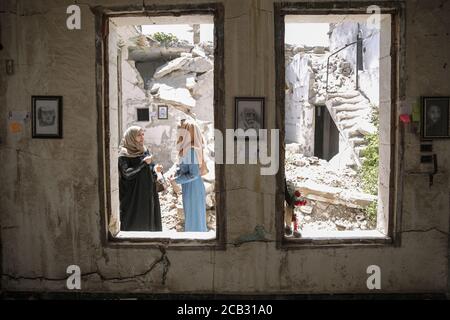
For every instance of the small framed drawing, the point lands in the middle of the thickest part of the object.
(435, 117)
(163, 112)
(46, 114)
(249, 113)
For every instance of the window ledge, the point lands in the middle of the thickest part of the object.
(168, 239)
(337, 238)
(165, 235)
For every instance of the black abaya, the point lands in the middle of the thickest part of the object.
(139, 201)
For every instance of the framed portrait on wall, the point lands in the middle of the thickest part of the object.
(249, 113)
(163, 112)
(46, 114)
(435, 118)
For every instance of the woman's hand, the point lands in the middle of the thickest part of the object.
(158, 168)
(148, 159)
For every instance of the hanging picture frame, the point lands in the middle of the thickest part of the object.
(435, 118)
(249, 113)
(163, 112)
(47, 122)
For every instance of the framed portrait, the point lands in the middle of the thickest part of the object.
(163, 112)
(435, 118)
(249, 113)
(46, 114)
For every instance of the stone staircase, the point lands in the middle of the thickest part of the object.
(351, 112)
(349, 108)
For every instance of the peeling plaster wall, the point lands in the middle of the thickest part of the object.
(49, 202)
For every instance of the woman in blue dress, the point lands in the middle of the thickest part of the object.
(191, 168)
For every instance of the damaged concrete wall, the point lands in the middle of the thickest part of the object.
(49, 202)
(345, 33)
(299, 112)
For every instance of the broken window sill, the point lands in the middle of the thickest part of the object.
(337, 238)
(167, 239)
(168, 235)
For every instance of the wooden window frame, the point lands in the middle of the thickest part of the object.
(102, 16)
(397, 11)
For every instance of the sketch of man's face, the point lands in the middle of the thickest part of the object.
(434, 114)
(250, 119)
(162, 112)
(46, 117)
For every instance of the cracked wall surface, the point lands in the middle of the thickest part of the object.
(49, 200)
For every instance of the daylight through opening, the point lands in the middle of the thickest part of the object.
(337, 125)
(161, 79)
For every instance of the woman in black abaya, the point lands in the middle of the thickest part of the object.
(139, 201)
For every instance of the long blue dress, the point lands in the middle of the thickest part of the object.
(194, 194)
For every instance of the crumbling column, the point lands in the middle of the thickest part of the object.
(196, 33)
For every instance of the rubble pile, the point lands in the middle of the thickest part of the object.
(185, 83)
(340, 74)
(301, 169)
(325, 211)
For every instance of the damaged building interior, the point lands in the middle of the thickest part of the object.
(349, 101)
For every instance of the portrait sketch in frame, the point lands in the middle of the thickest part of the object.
(249, 113)
(163, 112)
(46, 114)
(435, 117)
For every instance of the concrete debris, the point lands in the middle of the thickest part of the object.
(175, 96)
(338, 196)
(198, 52)
(336, 201)
(198, 65)
(186, 63)
(208, 48)
(170, 66)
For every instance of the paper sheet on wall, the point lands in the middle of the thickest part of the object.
(19, 116)
(416, 112)
(17, 120)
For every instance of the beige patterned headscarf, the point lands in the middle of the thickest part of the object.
(190, 136)
(130, 147)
